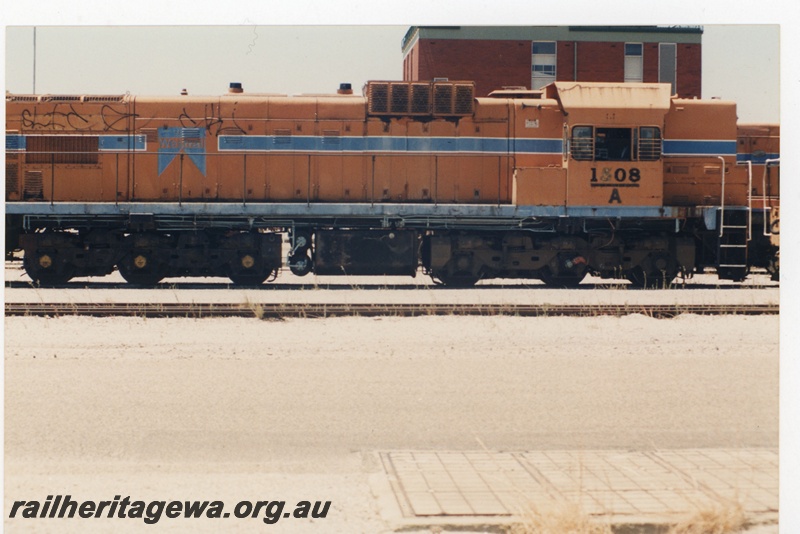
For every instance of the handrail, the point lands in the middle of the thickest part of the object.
(749, 200)
(722, 199)
(766, 231)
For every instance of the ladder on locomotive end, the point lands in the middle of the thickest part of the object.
(735, 232)
(734, 236)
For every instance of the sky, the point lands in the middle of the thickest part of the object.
(740, 62)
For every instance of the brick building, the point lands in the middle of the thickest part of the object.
(533, 56)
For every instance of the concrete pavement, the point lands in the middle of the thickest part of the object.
(453, 490)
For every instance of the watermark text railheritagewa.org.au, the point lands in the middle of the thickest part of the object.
(65, 507)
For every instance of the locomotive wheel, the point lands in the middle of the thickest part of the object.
(245, 271)
(566, 280)
(300, 264)
(44, 271)
(137, 269)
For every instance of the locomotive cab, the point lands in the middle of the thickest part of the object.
(614, 143)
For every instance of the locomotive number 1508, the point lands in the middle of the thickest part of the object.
(619, 175)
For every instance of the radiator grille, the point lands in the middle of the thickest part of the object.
(78, 150)
(33, 186)
(22, 98)
(464, 99)
(420, 98)
(449, 99)
(104, 98)
(442, 99)
(60, 98)
(453, 99)
(12, 179)
(378, 97)
(400, 94)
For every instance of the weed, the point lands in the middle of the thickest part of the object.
(558, 518)
(257, 309)
(714, 518)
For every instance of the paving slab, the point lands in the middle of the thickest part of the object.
(455, 489)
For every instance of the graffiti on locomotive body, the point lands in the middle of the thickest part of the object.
(63, 117)
(212, 124)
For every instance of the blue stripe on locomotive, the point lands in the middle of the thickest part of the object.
(757, 158)
(421, 145)
(15, 142)
(122, 142)
(685, 147)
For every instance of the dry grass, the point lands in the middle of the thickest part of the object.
(714, 518)
(559, 518)
(256, 308)
(568, 518)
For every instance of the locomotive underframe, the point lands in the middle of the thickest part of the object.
(456, 245)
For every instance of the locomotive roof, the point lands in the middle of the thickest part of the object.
(572, 95)
(592, 101)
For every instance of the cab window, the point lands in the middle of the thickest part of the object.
(649, 143)
(613, 144)
(582, 143)
(590, 143)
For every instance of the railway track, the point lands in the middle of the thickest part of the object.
(296, 310)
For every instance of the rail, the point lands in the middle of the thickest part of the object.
(297, 310)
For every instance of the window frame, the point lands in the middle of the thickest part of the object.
(654, 152)
(673, 75)
(541, 78)
(584, 148)
(580, 146)
(628, 77)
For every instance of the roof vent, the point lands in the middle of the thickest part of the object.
(452, 99)
(235, 87)
(184, 92)
(345, 89)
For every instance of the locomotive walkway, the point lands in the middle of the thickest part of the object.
(304, 310)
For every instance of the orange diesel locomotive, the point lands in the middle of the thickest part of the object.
(617, 180)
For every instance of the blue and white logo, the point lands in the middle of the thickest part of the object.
(175, 141)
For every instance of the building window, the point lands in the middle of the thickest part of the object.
(667, 64)
(543, 63)
(634, 71)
